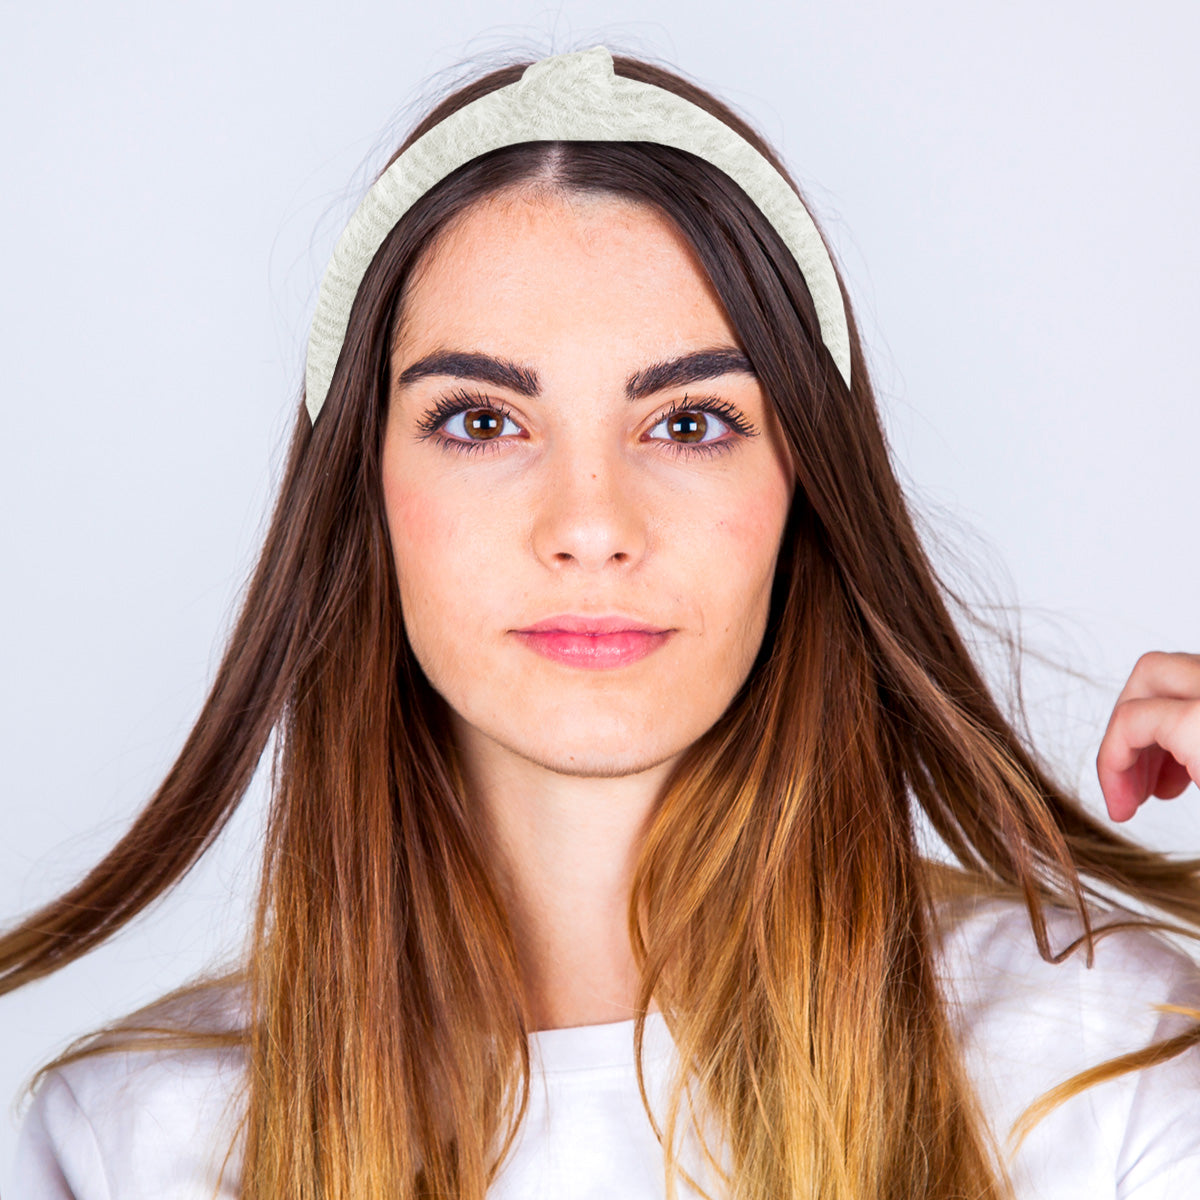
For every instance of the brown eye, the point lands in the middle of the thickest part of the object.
(483, 424)
(687, 427)
(692, 426)
(474, 426)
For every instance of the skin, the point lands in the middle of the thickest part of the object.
(1151, 746)
(586, 503)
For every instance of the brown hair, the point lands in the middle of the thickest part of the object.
(783, 917)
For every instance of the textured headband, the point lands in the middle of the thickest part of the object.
(565, 97)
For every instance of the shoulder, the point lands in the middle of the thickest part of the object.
(1026, 1025)
(990, 964)
(134, 1123)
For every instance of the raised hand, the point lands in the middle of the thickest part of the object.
(1152, 744)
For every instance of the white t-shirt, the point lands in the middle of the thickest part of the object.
(145, 1125)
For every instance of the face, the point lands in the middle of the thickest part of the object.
(585, 536)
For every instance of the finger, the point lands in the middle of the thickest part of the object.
(1158, 673)
(1173, 778)
(1123, 763)
(1160, 774)
(1174, 674)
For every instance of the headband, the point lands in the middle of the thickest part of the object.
(565, 97)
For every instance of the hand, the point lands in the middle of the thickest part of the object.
(1152, 743)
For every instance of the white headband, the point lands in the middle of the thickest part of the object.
(565, 97)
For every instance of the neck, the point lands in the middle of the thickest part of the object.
(565, 850)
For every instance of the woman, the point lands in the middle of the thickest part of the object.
(609, 678)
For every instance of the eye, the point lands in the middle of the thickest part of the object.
(467, 421)
(704, 426)
(690, 426)
(483, 424)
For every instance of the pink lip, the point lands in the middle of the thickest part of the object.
(569, 623)
(593, 641)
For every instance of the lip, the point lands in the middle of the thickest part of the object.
(593, 642)
(571, 623)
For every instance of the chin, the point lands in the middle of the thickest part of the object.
(591, 743)
(595, 762)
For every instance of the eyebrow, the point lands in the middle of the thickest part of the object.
(502, 372)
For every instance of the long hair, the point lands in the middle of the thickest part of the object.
(782, 915)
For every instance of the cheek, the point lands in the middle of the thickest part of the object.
(423, 551)
(419, 532)
(755, 523)
(746, 539)
(443, 549)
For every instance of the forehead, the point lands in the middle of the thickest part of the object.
(551, 265)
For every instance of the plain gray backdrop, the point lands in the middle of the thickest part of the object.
(1010, 190)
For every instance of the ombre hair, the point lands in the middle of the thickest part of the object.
(783, 916)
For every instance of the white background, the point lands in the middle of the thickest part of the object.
(1011, 190)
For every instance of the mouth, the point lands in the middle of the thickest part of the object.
(570, 623)
(593, 642)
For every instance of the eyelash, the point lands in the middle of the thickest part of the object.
(460, 401)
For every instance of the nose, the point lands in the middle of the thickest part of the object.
(588, 515)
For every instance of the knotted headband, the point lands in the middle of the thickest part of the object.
(565, 97)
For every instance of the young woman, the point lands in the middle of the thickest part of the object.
(608, 681)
